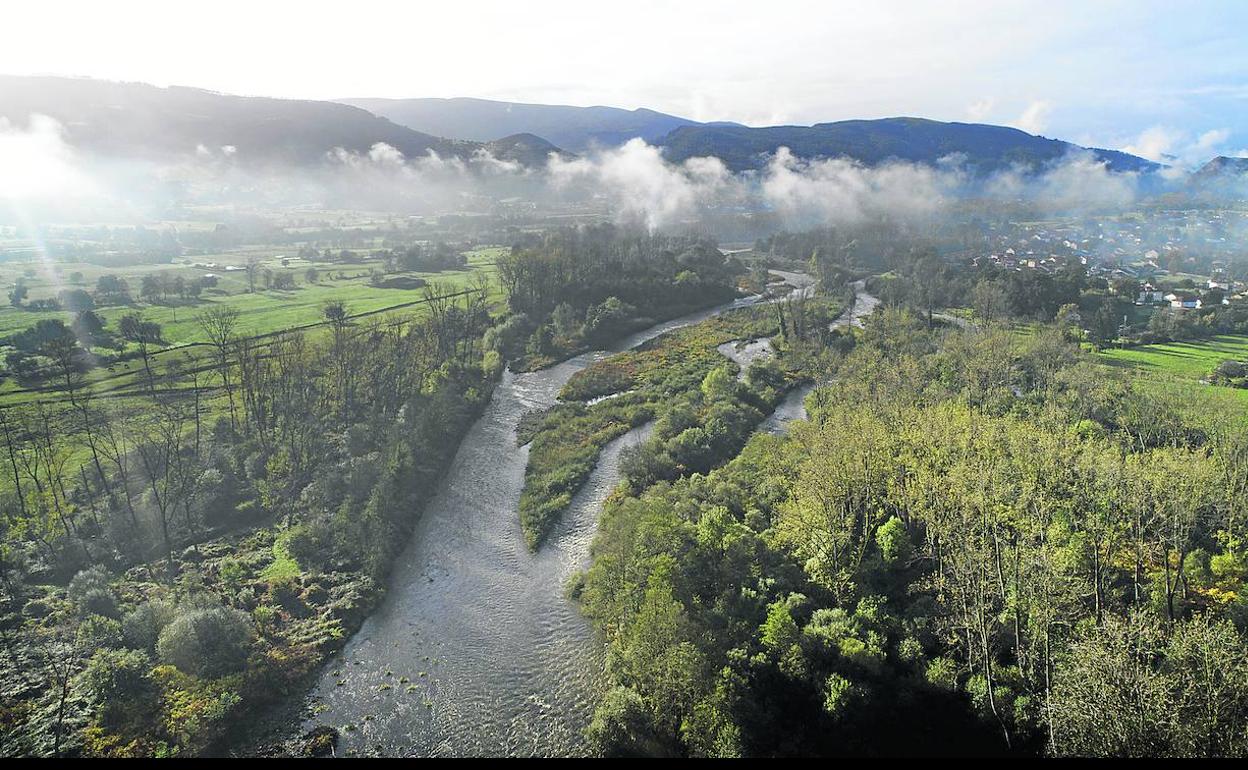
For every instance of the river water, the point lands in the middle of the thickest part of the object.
(476, 651)
(793, 406)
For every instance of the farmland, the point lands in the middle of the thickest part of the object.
(1187, 360)
(261, 312)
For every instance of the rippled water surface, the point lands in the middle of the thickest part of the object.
(476, 650)
(496, 659)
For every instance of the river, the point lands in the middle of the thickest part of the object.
(476, 651)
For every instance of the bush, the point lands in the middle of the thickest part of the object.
(120, 682)
(207, 643)
(91, 594)
(97, 631)
(141, 626)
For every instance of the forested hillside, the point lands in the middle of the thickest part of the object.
(979, 542)
(572, 288)
(983, 148)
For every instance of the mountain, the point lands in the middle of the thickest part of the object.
(525, 149)
(482, 120)
(984, 148)
(136, 120)
(1221, 168)
(1220, 178)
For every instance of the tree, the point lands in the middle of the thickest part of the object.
(718, 384)
(621, 726)
(113, 289)
(69, 359)
(158, 448)
(135, 329)
(338, 316)
(989, 301)
(88, 327)
(894, 541)
(151, 288)
(219, 325)
(253, 268)
(18, 294)
(1130, 688)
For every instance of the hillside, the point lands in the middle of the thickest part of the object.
(136, 120)
(1220, 169)
(483, 120)
(985, 148)
(525, 149)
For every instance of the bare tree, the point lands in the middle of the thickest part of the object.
(218, 324)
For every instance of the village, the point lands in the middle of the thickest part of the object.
(1181, 259)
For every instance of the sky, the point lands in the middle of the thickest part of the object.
(1161, 79)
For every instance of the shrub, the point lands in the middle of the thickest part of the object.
(141, 626)
(91, 594)
(120, 682)
(97, 631)
(207, 643)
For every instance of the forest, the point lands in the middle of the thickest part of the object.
(571, 289)
(979, 543)
(168, 570)
(983, 539)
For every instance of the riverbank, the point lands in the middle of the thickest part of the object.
(477, 625)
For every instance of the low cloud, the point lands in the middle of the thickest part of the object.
(1177, 147)
(1078, 182)
(1035, 117)
(641, 186)
(37, 165)
(843, 191)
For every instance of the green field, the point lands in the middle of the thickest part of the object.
(1188, 360)
(1176, 372)
(262, 312)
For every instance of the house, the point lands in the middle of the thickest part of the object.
(1183, 301)
(1150, 295)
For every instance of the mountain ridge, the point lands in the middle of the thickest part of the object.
(142, 121)
(167, 123)
(983, 147)
(577, 129)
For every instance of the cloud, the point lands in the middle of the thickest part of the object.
(843, 191)
(980, 110)
(1156, 143)
(1035, 118)
(36, 164)
(1079, 182)
(1166, 144)
(641, 186)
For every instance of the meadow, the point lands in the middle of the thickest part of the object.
(1187, 360)
(262, 312)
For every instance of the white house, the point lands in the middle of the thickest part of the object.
(1183, 301)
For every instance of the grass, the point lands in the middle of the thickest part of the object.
(1188, 360)
(283, 566)
(1176, 371)
(262, 312)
